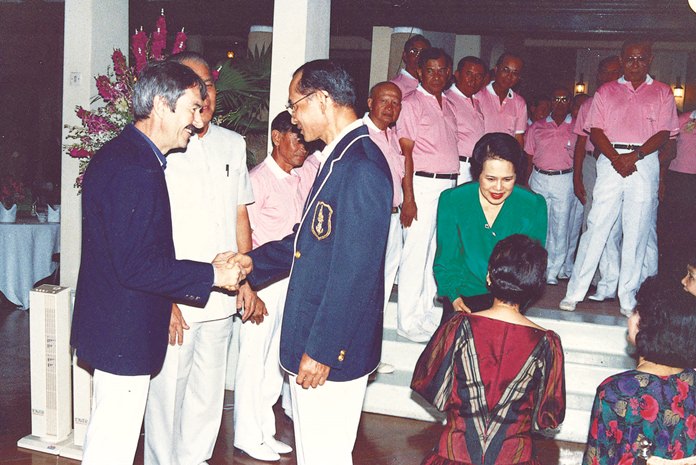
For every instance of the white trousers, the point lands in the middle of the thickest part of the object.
(326, 421)
(464, 172)
(393, 255)
(184, 407)
(611, 255)
(577, 210)
(118, 406)
(558, 192)
(259, 378)
(630, 201)
(417, 313)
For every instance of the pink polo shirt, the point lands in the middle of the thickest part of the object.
(685, 162)
(433, 129)
(469, 120)
(388, 143)
(632, 116)
(580, 123)
(405, 82)
(550, 145)
(279, 198)
(509, 117)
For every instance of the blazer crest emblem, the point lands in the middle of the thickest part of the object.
(321, 221)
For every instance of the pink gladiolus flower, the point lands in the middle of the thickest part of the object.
(119, 60)
(139, 47)
(179, 42)
(105, 88)
(78, 152)
(159, 38)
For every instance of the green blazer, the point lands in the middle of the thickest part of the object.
(465, 241)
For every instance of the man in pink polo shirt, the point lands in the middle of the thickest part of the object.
(468, 81)
(584, 177)
(427, 135)
(630, 119)
(407, 78)
(280, 183)
(503, 109)
(677, 217)
(549, 144)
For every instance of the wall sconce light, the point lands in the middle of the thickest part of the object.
(692, 4)
(230, 54)
(678, 89)
(580, 86)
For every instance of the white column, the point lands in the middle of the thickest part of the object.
(398, 38)
(93, 28)
(260, 38)
(379, 58)
(300, 34)
(464, 46)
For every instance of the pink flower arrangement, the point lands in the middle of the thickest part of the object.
(115, 90)
(11, 191)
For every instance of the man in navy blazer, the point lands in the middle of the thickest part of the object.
(128, 272)
(332, 326)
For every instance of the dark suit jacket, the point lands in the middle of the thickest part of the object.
(335, 258)
(128, 273)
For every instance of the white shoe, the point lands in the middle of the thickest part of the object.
(277, 446)
(415, 337)
(552, 281)
(567, 305)
(261, 452)
(385, 368)
(627, 312)
(597, 297)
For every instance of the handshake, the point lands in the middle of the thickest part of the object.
(231, 268)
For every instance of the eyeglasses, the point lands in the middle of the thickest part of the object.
(561, 99)
(415, 51)
(514, 72)
(292, 106)
(640, 60)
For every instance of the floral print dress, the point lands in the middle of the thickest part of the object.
(634, 405)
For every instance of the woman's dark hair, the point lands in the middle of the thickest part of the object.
(498, 146)
(667, 328)
(330, 77)
(517, 270)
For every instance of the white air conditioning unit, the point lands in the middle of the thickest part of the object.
(51, 374)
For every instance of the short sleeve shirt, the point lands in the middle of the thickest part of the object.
(405, 82)
(551, 145)
(433, 129)
(580, 123)
(685, 162)
(279, 198)
(388, 143)
(206, 184)
(509, 117)
(632, 116)
(469, 118)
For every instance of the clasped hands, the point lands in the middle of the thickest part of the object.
(625, 163)
(230, 269)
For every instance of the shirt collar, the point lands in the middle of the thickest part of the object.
(406, 74)
(453, 88)
(425, 92)
(371, 124)
(158, 152)
(490, 89)
(648, 80)
(568, 119)
(275, 168)
(693, 115)
(324, 154)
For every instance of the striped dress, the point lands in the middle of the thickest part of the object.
(498, 382)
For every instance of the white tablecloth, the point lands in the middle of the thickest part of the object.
(26, 250)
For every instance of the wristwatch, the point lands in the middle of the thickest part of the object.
(641, 154)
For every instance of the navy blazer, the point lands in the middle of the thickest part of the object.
(335, 257)
(128, 272)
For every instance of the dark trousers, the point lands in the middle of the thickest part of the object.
(676, 225)
(476, 303)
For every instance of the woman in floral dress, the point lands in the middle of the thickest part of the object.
(657, 400)
(498, 375)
